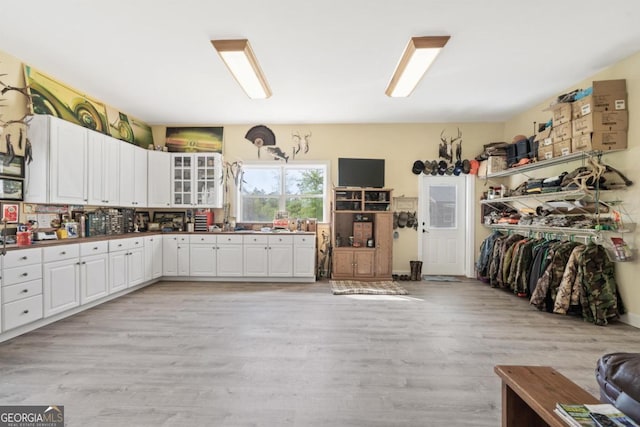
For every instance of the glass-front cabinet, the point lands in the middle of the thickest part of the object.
(196, 179)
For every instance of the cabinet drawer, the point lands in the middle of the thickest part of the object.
(21, 312)
(255, 238)
(202, 238)
(136, 242)
(118, 245)
(22, 274)
(280, 240)
(230, 238)
(305, 240)
(93, 248)
(21, 290)
(22, 257)
(183, 239)
(59, 253)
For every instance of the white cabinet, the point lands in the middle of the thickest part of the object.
(202, 255)
(175, 255)
(103, 159)
(196, 179)
(268, 255)
(58, 173)
(126, 263)
(152, 257)
(21, 288)
(133, 175)
(61, 278)
(94, 271)
(159, 179)
(304, 256)
(229, 256)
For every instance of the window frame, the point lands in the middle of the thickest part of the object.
(283, 196)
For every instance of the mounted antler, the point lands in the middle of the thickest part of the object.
(307, 137)
(445, 148)
(297, 142)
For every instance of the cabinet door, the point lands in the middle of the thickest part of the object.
(95, 166)
(281, 260)
(148, 258)
(364, 263)
(135, 267)
(111, 171)
(94, 282)
(256, 256)
(61, 288)
(229, 260)
(181, 180)
(207, 176)
(117, 271)
(343, 263)
(202, 260)
(157, 257)
(67, 164)
(183, 257)
(304, 261)
(169, 255)
(127, 174)
(140, 177)
(384, 244)
(159, 179)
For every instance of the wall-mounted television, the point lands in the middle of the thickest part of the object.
(360, 172)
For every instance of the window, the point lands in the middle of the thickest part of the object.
(298, 188)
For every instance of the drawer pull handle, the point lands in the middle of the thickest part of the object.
(25, 312)
(137, 243)
(24, 274)
(95, 248)
(120, 245)
(24, 291)
(23, 258)
(63, 253)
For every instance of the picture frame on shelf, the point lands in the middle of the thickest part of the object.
(12, 166)
(11, 212)
(11, 189)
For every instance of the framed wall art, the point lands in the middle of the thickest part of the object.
(11, 189)
(11, 165)
(10, 212)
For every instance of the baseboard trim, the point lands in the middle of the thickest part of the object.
(631, 319)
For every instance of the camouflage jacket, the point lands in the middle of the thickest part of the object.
(570, 290)
(597, 277)
(545, 292)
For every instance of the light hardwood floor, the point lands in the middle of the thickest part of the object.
(229, 354)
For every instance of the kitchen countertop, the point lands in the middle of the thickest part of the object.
(45, 243)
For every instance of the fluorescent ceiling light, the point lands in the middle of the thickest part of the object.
(240, 60)
(416, 59)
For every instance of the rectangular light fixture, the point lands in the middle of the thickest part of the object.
(240, 60)
(416, 59)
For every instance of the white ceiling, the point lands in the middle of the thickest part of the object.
(326, 61)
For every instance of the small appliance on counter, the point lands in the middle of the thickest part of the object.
(45, 235)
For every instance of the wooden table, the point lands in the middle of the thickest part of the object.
(530, 394)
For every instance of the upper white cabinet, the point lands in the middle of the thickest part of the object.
(58, 173)
(159, 179)
(103, 160)
(133, 175)
(196, 180)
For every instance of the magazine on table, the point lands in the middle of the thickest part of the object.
(588, 415)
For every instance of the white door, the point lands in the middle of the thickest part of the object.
(443, 225)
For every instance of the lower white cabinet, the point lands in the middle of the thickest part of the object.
(94, 271)
(304, 256)
(229, 257)
(169, 255)
(126, 263)
(152, 257)
(21, 288)
(268, 256)
(183, 255)
(202, 255)
(61, 278)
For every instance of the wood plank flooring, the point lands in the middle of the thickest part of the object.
(233, 354)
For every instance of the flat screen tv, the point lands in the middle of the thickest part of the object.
(361, 172)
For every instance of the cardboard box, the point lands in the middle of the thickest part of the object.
(482, 169)
(609, 86)
(562, 148)
(604, 102)
(561, 113)
(545, 152)
(496, 164)
(609, 140)
(562, 132)
(581, 143)
(544, 137)
(600, 121)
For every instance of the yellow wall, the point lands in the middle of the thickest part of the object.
(15, 103)
(399, 144)
(626, 161)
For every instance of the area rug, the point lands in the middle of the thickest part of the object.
(440, 278)
(350, 287)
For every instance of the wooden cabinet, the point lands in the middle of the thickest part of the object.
(196, 180)
(61, 278)
(103, 160)
(159, 179)
(58, 173)
(358, 216)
